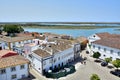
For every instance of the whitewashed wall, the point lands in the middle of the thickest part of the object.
(107, 53)
(19, 72)
(93, 38)
(49, 61)
(64, 56)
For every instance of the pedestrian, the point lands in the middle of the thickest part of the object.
(85, 62)
(81, 62)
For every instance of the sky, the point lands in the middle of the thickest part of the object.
(59, 10)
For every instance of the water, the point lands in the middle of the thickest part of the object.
(74, 32)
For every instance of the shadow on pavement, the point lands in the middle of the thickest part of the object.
(30, 77)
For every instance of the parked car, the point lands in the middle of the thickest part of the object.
(98, 60)
(87, 52)
(115, 72)
(85, 58)
(104, 63)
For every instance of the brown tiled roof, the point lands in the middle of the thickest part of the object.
(12, 61)
(51, 35)
(41, 53)
(4, 52)
(107, 35)
(61, 44)
(15, 39)
(23, 34)
(80, 40)
(103, 35)
(110, 42)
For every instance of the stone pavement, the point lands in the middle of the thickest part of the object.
(85, 71)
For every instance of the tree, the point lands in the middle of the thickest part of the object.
(108, 60)
(12, 28)
(96, 55)
(116, 63)
(94, 77)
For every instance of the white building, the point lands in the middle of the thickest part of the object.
(54, 54)
(108, 45)
(13, 68)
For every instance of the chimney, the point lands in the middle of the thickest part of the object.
(52, 52)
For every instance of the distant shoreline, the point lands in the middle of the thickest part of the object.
(71, 27)
(117, 29)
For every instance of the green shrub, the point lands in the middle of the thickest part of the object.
(116, 63)
(61, 73)
(94, 77)
(96, 55)
(108, 60)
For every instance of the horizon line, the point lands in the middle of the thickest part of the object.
(64, 22)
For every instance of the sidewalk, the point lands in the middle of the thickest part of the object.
(37, 75)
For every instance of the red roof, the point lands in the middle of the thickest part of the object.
(7, 53)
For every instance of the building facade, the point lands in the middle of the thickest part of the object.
(52, 55)
(13, 68)
(108, 45)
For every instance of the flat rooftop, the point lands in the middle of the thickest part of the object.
(30, 44)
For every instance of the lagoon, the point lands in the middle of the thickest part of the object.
(74, 32)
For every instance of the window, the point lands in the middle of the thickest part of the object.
(105, 49)
(14, 76)
(54, 60)
(98, 48)
(30, 56)
(22, 67)
(58, 58)
(3, 71)
(104, 55)
(23, 76)
(44, 62)
(50, 68)
(118, 53)
(51, 60)
(13, 69)
(111, 51)
(93, 46)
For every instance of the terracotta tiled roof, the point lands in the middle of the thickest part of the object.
(23, 34)
(103, 35)
(12, 61)
(110, 42)
(107, 35)
(41, 53)
(15, 39)
(80, 40)
(60, 45)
